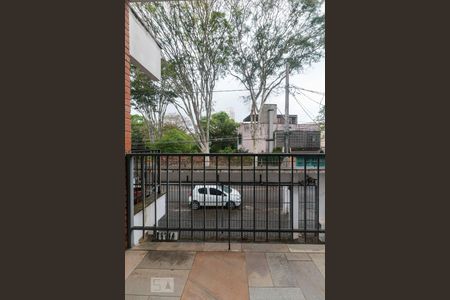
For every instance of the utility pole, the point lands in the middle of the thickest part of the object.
(286, 112)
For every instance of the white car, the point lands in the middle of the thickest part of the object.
(214, 195)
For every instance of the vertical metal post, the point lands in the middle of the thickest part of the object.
(159, 174)
(130, 185)
(317, 189)
(254, 198)
(217, 184)
(204, 197)
(305, 186)
(154, 164)
(143, 194)
(192, 196)
(167, 196)
(179, 195)
(267, 198)
(279, 197)
(242, 193)
(291, 195)
(229, 204)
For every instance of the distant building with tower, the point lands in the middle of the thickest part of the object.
(270, 132)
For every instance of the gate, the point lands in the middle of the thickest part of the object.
(226, 197)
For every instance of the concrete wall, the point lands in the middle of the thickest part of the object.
(144, 50)
(260, 145)
(149, 216)
(262, 134)
(297, 208)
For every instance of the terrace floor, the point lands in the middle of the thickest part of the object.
(191, 270)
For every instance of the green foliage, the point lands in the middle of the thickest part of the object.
(222, 132)
(227, 149)
(143, 90)
(138, 131)
(147, 92)
(321, 118)
(174, 140)
(151, 98)
(277, 150)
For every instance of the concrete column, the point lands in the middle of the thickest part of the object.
(295, 205)
(322, 205)
(286, 200)
(270, 113)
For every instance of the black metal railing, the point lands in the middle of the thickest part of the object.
(216, 197)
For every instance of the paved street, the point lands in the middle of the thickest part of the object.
(262, 208)
(209, 271)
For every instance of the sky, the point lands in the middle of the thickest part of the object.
(312, 78)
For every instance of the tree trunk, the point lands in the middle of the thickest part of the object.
(253, 127)
(205, 149)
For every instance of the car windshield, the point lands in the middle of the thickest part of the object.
(226, 189)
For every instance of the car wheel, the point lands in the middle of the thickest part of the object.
(195, 204)
(230, 204)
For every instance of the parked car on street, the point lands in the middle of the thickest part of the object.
(214, 195)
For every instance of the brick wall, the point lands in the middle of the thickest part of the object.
(127, 83)
(127, 107)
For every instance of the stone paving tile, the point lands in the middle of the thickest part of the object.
(132, 259)
(136, 297)
(279, 270)
(139, 281)
(146, 246)
(255, 247)
(163, 298)
(217, 275)
(221, 247)
(285, 293)
(307, 248)
(309, 279)
(297, 256)
(258, 271)
(180, 246)
(196, 291)
(319, 261)
(178, 260)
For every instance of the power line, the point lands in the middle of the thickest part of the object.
(309, 98)
(225, 91)
(307, 90)
(304, 109)
(280, 87)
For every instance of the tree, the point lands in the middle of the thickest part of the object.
(320, 119)
(151, 99)
(223, 132)
(267, 36)
(194, 38)
(174, 140)
(138, 132)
